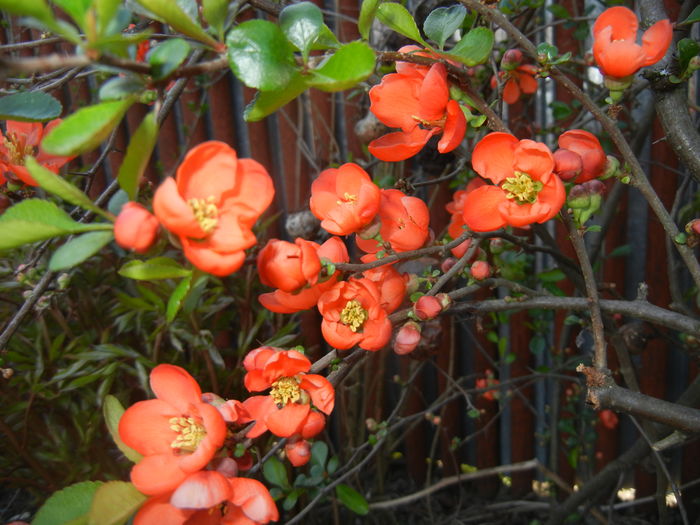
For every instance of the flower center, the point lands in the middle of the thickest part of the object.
(353, 315)
(191, 433)
(206, 213)
(285, 390)
(348, 198)
(522, 188)
(429, 124)
(16, 150)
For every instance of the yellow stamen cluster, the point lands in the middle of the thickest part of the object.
(353, 315)
(522, 188)
(191, 433)
(206, 213)
(16, 151)
(285, 390)
(348, 198)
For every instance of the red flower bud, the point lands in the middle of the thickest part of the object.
(407, 338)
(567, 164)
(447, 264)
(608, 418)
(135, 228)
(480, 270)
(427, 307)
(511, 59)
(298, 453)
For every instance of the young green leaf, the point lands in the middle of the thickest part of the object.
(85, 129)
(114, 502)
(368, 11)
(152, 269)
(112, 411)
(687, 49)
(260, 55)
(60, 187)
(79, 250)
(397, 17)
(352, 499)
(29, 106)
(693, 17)
(176, 298)
(34, 220)
(106, 11)
(215, 13)
(121, 87)
(301, 23)
(319, 454)
(443, 22)
(67, 505)
(138, 153)
(76, 9)
(474, 48)
(267, 102)
(275, 472)
(173, 14)
(345, 68)
(167, 56)
(42, 12)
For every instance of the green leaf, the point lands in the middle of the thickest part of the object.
(267, 102)
(167, 56)
(34, 220)
(352, 499)
(551, 276)
(67, 505)
(176, 298)
(319, 454)
(443, 22)
(114, 502)
(215, 13)
(559, 11)
(260, 55)
(325, 40)
(367, 13)
(687, 49)
(275, 472)
(474, 48)
(38, 9)
(345, 68)
(174, 15)
(118, 88)
(106, 11)
(397, 17)
(152, 269)
(301, 23)
(76, 9)
(138, 153)
(112, 411)
(32, 106)
(79, 249)
(693, 17)
(85, 129)
(59, 186)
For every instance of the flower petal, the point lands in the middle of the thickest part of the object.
(157, 474)
(481, 209)
(173, 211)
(145, 427)
(434, 94)
(158, 510)
(621, 20)
(511, 91)
(320, 390)
(175, 386)
(211, 261)
(208, 170)
(455, 127)
(254, 499)
(395, 101)
(400, 145)
(493, 157)
(287, 421)
(535, 159)
(655, 41)
(201, 490)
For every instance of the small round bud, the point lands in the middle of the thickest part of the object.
(135, 228)
(480, 270)
(407, 338)
(427, 307)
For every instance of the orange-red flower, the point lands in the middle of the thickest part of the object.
(333, 250)
(23, 139)
(353, 315)
(345, 199)
(390, 283)
(526, 190)
(177, 433)
(135, 228)
(519, 78)
(404, 223)
(615, 45)
(417, 100)
(209, 498)
(286, 409)
(289, 266)
(580, 156)
(212, 204)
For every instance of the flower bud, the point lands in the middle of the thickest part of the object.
(496, 246)
(447, 264)
(407, 338)
(511, 59)
(314, 425)
(135, 228)
(608, 418)
(480, 270)
(445, 300)
(611, 168)
(427, 307)
(298, 453)
(567, 164)
(412, 283)
(585, 199)
(693, 227)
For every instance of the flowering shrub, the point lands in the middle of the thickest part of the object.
(291, 323)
